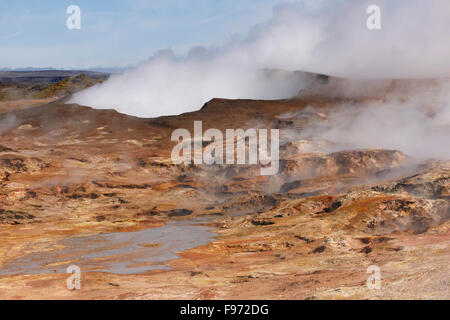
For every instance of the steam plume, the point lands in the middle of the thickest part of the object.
(333, 40)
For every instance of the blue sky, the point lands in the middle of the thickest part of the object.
(118, 32)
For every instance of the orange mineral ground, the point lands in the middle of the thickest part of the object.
(98, 189)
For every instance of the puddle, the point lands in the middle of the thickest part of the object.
(119, 252)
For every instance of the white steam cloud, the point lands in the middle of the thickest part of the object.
(414, 119)
(334, 39)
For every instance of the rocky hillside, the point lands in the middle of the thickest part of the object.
(16, 85)
(309, 232)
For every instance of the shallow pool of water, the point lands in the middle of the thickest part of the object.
(119, 252)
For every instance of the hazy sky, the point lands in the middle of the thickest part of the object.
(119, 32)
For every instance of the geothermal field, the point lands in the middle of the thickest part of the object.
(355, 188)
(216, 152)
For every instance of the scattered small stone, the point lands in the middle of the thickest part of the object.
(366, 250)
(179, 213)
(319, 249)
(141, 163)
(262, 222)
(93, 195)
(334, 206)
(290, 186)
(100, 218)
(305, 239)
(110, 194)
(365, 240)
(384, 239)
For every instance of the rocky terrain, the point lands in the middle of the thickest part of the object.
(71, 172)
(35, 85)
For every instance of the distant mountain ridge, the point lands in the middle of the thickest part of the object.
(94, 69)
(16, 85)
(46, 76)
